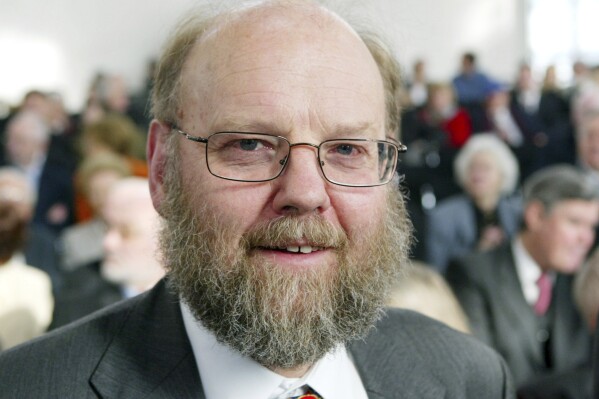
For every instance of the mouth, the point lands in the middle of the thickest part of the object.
(295, 249)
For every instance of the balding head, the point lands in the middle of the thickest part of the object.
(271, 18)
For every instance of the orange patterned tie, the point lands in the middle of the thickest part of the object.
(310, 394)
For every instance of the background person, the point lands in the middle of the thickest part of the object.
(486, 214)
(518, 296)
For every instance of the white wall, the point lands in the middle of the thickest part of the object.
(59, 44)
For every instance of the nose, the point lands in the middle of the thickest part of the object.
(301, 188)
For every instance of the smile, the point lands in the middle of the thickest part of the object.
(304, 249)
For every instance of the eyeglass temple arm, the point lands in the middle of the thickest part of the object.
(187, 135)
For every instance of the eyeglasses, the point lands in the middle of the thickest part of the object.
(260, 157)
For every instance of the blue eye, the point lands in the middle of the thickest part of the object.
(248, 144)
(345, 149)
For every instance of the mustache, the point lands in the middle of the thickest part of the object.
(313, 230)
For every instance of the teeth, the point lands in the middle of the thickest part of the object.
(305, 249)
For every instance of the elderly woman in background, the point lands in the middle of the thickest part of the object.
(486, 213)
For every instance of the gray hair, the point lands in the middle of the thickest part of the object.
(558, 183)
(505, 159)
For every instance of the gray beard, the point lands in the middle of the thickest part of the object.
(279, 318)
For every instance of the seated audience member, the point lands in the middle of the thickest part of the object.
(39, 249)
(81, 244)
(424, 290)
(576, 383)
(518, 296)
(472, 88)
(116, 135)
(485, 215)
(281, 242)
(554, 113)
(417, 86)
(543, 115)
(27, 143)
(442, 115)
(63, 128)
(107, 95)
(130, 246)
(131, 241)
(588, 144)
(25, 292)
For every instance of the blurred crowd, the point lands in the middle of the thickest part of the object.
(484, 177)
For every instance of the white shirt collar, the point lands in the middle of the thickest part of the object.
(226, 374)
(528, 271)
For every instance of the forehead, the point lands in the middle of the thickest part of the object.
(127, 207)
(588, 209)
(299, 67)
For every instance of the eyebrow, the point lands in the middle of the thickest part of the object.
(340, 130)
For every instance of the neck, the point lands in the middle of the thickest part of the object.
(528, 243)
(486, 204)
(294, 372)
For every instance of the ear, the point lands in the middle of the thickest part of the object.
(156, 154)
(534, 214)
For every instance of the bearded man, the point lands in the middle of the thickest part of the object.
(271, 152)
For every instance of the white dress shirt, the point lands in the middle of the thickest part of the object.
(226, 374)
(528, 271)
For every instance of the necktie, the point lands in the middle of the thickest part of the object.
(544, 299)
(309, 394)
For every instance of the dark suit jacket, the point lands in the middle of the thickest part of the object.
(55, 189)
(139, 348)
(488, 288)
(573, 384)
(451, 227)
(596, 362)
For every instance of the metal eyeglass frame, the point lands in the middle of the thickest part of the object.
(399, 148)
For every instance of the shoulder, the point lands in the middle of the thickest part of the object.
(410, 345)
(449, 206)
(480, 265)
(65, 356)
(18, 271)
(511, 203)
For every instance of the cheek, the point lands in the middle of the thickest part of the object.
(360, 211)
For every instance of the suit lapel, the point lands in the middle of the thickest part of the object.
(150, 356)
(512, 299)
(375, 356)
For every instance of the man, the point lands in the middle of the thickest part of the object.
(588, 144)
(275, 260)
(472, 88)
(27, 144)
(518, 297)
(131, 242)
(471, 85)
(130, 265)
(575, 383)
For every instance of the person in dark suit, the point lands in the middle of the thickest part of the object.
(518, 296)
(27, 145)
(575, 383)
(279, 256)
